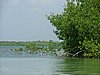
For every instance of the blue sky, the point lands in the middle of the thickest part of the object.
(24, 20)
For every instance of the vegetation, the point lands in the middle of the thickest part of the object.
(49, 46)
(12, 43)
(78, 26)
(33, 46)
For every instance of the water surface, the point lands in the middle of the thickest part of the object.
(12, 63)
(49, 66)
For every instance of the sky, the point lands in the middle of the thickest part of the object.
(24, 20)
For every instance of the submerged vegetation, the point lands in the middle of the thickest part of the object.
(78, 26)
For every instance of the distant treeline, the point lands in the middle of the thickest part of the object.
(12, 43)
(24, 43)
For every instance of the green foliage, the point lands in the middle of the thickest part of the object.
(12, 43)
(92, 48)
(42, 46)
(79, 26)
(31, 46)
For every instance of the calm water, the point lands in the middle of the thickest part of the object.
(7, 51)
(48, 66)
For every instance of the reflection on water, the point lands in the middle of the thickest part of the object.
(76, 66)
(26, 66)
(49, 66)
(44, 65)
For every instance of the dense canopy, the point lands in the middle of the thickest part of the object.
(79, 27)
